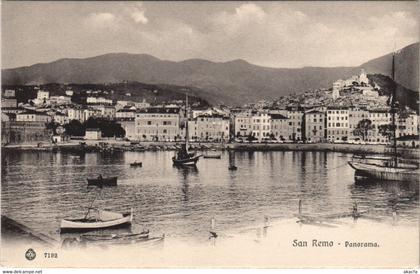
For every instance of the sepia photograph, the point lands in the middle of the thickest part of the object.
(210, 134)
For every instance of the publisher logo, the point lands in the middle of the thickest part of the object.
(30, 254)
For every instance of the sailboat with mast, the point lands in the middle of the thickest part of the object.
(390, 169)
(183, 157)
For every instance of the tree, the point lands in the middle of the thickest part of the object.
(52, 126)
(108, 128)
(362, 129)
(74, 128)
(387, 130)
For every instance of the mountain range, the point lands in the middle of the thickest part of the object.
(233, 82)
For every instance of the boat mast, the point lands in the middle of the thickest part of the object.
(186, 123)
(393, 110)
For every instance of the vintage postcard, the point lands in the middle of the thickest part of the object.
(166, 134)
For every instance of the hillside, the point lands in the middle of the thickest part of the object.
(404, 96)
(406, 66)
(156, 94)
(233, 82)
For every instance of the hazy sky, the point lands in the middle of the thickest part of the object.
(276, 34)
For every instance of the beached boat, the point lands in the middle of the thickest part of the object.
(101, 220)
(136, 164)
(109, 181)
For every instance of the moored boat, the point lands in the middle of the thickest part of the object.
(114, 238)
(136, 164)
(100, 181)
(384, 173)
(183, 156)
(232, 167)
(386, 169)
(212, 156)
(102, 220)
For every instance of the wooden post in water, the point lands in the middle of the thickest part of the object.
(355, 212)
(394, 214)
(213, 234)
(300, 207)
(266, 225)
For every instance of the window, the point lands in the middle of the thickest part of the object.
(149, 123)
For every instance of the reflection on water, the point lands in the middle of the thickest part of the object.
(41, 188)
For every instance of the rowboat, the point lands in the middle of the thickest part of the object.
(102, 219)
(139, 241)
(232, 167)
(114, 238)
(136, 164)
(109, 181)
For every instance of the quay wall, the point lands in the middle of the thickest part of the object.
(412, 153)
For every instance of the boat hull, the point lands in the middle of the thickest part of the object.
(68, 226)
(186, 162)
(111, 181)
(375, 172)
(212, 156)
(115, 238)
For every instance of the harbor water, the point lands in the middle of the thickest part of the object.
(41, 188)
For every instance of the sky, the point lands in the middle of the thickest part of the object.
(274, 34)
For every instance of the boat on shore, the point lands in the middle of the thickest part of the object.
(108, 181)
(101, 220)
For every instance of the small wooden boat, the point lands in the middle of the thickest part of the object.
(115, 238)
(385, 173)
(102, 220)
(190, 160)
(213, 156)
(136, 164)
(109, 181)
(232, 167)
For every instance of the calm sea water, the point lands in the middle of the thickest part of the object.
(41, 188)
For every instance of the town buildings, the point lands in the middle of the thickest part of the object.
(209, 128)
(243, 123)
(356, 114)
(337, 124)
(315, 126)
(295, 114)
(158, 124)
(33, 116)
(261, 129)
(280, 128)
(93, 134)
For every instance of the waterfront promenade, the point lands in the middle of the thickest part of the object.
(127, 145)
